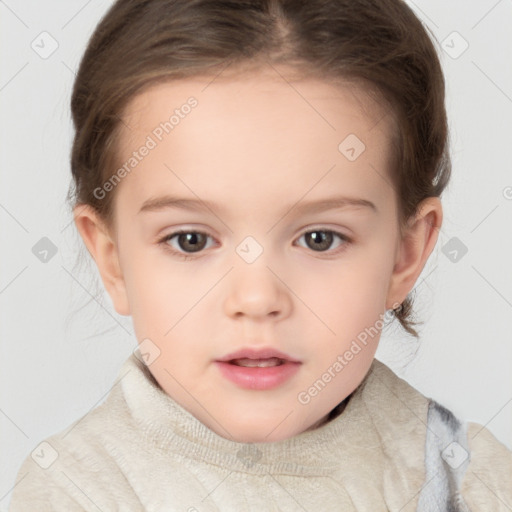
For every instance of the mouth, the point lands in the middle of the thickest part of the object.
(261, 358)
(262, 369)
(257, 363)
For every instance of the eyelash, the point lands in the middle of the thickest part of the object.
(185, 256)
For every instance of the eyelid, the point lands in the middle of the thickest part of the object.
(166, 238)
(309, 229)
(324, 227)
(346, 239)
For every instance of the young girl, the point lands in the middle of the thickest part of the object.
(258, 183)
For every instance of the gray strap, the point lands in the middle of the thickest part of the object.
(447, 457)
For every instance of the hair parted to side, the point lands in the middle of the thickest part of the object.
(379, 45)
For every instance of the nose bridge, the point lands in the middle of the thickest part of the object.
(255, 289)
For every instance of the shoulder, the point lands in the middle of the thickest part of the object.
(465, 466)
(79, 468)
(385, 393)
(488, 482)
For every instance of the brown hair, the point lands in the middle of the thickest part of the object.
(379, 44)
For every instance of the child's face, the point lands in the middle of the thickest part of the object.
(257, 150)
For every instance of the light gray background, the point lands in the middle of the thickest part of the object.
(62, 346)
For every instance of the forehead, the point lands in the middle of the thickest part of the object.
(251, 133)
(261, 91)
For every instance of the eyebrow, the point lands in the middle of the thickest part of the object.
(338, 202)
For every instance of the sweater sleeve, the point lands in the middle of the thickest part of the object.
(43, 490)
(488, 481)
(75, 478)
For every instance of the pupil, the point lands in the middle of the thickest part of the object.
(191, 238)
(324, 238)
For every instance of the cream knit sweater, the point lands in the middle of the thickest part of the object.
(391, 448)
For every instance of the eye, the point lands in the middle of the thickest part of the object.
(320, 240)
(187, 241)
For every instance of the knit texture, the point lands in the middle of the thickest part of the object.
(141, 451)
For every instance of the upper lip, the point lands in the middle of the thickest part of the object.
(258, 353)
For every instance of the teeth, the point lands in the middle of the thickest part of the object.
(260, 363)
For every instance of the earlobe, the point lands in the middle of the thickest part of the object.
(415, 248)
(105, 253)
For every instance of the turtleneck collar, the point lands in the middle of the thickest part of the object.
(169, 427)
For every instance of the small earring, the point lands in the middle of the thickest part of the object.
(397, 309)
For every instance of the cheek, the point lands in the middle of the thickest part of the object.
(168, 304)
(152, 295)
(347, 294)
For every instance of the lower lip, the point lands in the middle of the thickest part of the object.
(258, 377)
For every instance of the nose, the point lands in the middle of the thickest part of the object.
(256, 291)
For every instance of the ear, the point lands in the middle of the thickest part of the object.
(414, 249)
(105, 253)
